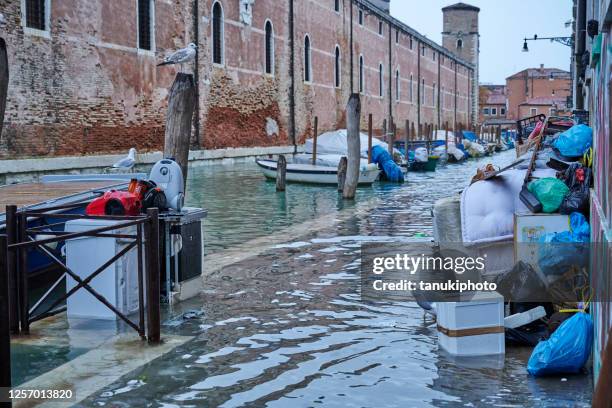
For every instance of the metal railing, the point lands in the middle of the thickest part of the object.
(16, 315)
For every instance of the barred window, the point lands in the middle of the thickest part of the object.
(307, 60)
(381, 84)
(269, 48)
(337, 68)
(35, 12)
(145, 24)
(217, 33)
(361, 74)
(397, 86)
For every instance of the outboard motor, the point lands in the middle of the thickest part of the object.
(168, 175)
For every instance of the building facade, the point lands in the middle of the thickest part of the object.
(538, 90)
(591, 76)
(492, 102)
(461, 35)
(83, 75)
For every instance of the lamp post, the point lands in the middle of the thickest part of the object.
(568, 41)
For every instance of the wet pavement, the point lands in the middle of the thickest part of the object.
(287, 327)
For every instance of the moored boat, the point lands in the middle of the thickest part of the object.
(316, 174)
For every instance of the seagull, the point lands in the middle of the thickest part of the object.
(181, 56)
(127, 162)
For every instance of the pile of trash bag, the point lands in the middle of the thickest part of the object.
(392, 171)
(575, 141)
(566, 351)
(560, 252)
(578, 179)
(550, 192)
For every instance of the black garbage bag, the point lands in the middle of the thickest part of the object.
(521, 284)
(578, 179)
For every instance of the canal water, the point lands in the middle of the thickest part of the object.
(285, 326)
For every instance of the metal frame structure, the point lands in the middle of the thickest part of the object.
(15, 313)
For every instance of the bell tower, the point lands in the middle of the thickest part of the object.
(461, 37)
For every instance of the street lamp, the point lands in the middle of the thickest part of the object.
(569, 41)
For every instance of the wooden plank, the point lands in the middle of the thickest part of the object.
(27, 194)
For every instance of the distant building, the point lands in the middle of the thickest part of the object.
(538, 90)
(461, 36)
(492, 101)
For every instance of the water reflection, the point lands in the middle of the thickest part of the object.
(288, 327)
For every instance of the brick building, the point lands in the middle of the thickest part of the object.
(538, 90)
(83, 75)
(492, 100)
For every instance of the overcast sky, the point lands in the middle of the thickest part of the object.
(503, 25)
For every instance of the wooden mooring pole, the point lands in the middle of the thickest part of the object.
(407, 138)
(281, 173)
(314, 140)
(153, 282)
(22, 271)
(181, 104)
(370, 130)
(342, 173)
(5, 330)
(353, 113)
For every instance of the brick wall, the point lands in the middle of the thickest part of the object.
(84, 87)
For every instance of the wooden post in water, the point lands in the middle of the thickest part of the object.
(446, 138)
(420, 135)
(370, 130)
(314, 140)
(5, 331)
(391, 139)
(384, 130)
(281, 173)
(412, 131)
(152, 281)
(181, 104)
(407, 138)
(342, 173)
(353, 113)
(4, 80)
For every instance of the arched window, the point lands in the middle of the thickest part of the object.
(411, 88)
(217, 33)
(397, 86)
(307, 60)
(380, 80)
(361, 75)
(433, 94)
(337, 68)
(269, 48)
(422, 91)
(459, 43)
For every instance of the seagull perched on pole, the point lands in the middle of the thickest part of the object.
(127, 163)
(181, 56)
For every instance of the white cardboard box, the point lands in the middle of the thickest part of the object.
(474, 326)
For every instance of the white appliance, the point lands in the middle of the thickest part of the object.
(167, 174)
(472, 327)
(118, 283)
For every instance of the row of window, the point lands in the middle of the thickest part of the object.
(488, 111)
(37, 19)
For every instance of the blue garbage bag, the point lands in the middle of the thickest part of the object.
(559, 252)
(385, 162)
(575, 141)
(566, 351)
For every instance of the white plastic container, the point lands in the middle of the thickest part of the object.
(521, 319)
(474, 326)
(118, 283)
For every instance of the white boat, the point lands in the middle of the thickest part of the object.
(316, 174)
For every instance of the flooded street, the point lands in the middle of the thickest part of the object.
(286, 326)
